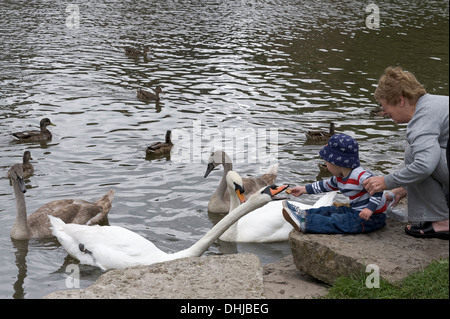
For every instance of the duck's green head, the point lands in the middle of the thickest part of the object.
(46, 122)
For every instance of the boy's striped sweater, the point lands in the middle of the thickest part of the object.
(352, 187)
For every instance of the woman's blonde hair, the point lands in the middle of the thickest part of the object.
(395, 83)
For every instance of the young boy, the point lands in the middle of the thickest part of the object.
(366, 212)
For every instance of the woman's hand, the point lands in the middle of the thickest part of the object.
(374, 184)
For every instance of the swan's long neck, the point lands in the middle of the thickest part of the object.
(234, 203)
(254, 202)
(20, 228)
(234, 199)
(227, 166)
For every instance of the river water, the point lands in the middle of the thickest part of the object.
(247, 76)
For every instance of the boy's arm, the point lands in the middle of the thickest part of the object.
(374, 200)
(323, 186)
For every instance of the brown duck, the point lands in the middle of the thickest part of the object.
(27, 167)
(149, 96)
(136, 53)
(32, 136)
(321, 135)
(159, 148)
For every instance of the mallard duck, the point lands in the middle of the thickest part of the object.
(137, 53)
(149, 96)
(159, 148)
(266, 223)
(220, 200)
(321, 135)
(115, 247)
(27, 167)
(37, 225)
(43, 135)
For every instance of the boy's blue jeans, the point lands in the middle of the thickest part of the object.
(340, 220)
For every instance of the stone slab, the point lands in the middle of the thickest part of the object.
(226, 276)
(327, 257)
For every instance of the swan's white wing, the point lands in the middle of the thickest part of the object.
(327, 199)
(117, 248)
(106, 246)
(267, 224)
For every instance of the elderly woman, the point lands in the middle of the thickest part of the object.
(425, 178)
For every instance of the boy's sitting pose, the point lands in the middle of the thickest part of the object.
(365, 214)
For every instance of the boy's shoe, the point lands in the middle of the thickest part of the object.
(293, 215)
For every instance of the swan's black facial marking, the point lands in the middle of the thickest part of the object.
(239, 187)
(273, 190)
(209, 169)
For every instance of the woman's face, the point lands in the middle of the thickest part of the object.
(399, 112)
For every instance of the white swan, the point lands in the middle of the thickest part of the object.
(265, 224)
(114, 247)
(220, 200)
(37, 225)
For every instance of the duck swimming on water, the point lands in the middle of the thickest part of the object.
(27, 167)
(32, 136)
(160, 148)
(137, 53)
(320, 135)
(149, 96)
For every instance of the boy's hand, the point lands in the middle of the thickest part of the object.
(298, 190)
(365, 214)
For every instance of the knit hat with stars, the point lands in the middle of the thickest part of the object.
(341, 150)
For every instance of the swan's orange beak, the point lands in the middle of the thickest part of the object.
(240, 194)
(274, 190)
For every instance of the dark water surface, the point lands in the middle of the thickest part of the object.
(233, 72)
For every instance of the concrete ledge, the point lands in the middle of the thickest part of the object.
(327, 257)
(227, 276)
(230, 276)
